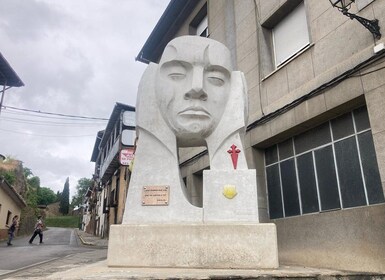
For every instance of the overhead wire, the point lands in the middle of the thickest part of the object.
(353, 72)
(46, 135)
(30, 114)
(55, 114)
(30, 117)
(49, 123)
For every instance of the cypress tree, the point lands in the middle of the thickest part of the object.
(65, 198)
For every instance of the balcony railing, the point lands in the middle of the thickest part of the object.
(112, 158)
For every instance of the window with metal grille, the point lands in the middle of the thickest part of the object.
(330, 167)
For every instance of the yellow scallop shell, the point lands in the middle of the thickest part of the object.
(229, 191)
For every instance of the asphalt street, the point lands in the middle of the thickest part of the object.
(58, 243)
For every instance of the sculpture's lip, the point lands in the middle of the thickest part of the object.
(195, 111)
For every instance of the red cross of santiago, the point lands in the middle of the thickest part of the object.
(234, 155)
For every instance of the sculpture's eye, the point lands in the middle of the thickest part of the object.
(174, 70)
(176, 76)
(216, 78)
(216, 81)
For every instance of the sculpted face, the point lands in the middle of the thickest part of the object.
(193, 86)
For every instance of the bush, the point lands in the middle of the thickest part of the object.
(28, 220)
(62, 221)
(9, 176)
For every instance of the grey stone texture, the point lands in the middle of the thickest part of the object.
(243, 207)
(351, 238)
(210, 245)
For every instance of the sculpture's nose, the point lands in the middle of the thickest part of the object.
(197, 88)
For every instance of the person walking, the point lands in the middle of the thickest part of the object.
(12, 229)
(38, 231)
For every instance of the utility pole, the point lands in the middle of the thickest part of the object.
(2, 95)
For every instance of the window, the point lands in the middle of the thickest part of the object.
(129, 118)
(8, 217)
(117, 189)
(290, 35)
(116, 131)
(112, 202)
(199, 25)
(330, 167)
(202, 28)
(128, 137)
(106, 208)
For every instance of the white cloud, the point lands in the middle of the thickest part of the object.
(75, 57)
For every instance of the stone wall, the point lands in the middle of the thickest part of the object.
(349, 239)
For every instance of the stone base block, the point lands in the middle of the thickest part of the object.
(243, 207)
(238, 246)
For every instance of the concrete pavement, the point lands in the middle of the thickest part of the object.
(76, 268)
(100, 270)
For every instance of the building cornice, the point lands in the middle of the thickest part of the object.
(12, 193)
(168, 25)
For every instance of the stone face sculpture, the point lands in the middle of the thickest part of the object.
(202, 99)
(193, 97)
(193, 87)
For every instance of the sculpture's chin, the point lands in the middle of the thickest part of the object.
(193, 134)
(198, 126)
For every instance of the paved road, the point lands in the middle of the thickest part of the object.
(58, 243)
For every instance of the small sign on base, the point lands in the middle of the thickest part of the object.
(155, 195)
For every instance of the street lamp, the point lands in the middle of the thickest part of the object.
(344, 5)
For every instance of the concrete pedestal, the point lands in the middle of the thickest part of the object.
(243, 207)
(238, 246)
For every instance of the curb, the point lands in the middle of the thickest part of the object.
(10, 273)
(83, 241)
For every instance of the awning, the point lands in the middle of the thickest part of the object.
(8, 76)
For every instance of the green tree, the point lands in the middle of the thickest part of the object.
(58, 196)
(34, 182)
(81, 189)
(31, 198)
(65, 198)
(46, 196)
(9, 176)
(27, 172)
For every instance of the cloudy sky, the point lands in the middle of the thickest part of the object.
(75, 57)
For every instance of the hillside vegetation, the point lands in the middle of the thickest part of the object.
(62, 221)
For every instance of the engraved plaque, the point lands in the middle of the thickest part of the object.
(155, 195)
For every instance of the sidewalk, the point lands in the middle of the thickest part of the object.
(92, 265)
(100, 271)
(91, 240)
